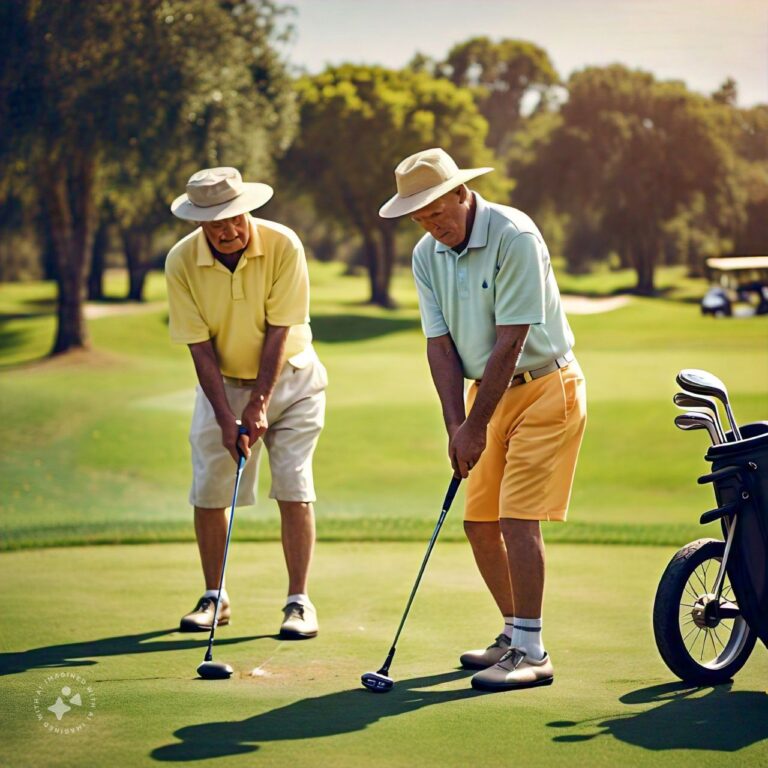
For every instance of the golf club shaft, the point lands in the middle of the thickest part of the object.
(452, 488)
(240, 465)
(734, 425)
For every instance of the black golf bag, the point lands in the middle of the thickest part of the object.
(740, 478)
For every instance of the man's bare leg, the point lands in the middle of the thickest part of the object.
(211, 531)
(298, 535)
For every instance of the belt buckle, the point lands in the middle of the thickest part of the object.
(527, 376)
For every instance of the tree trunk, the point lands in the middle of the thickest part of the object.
(375, 258)
(98, 259)
(388, 257)
(69, 196)
(644, 266)
(136, 243)
(376, 269)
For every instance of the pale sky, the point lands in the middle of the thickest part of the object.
(701, 42)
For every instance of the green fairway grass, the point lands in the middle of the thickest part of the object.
(103, 619)
(95, 445)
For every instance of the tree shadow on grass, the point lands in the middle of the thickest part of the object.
(333, 329)
(334, 713)
(83, 654)
(718, 721)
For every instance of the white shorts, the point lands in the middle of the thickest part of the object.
(296, 415)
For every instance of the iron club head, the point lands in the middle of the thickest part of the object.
(686, 400)
(696, 420)
(701, 382)
(377, 682)
(214, 670)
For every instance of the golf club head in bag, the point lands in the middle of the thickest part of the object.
(700, 382)
(210, 669)
(698, 420)
(686, 400)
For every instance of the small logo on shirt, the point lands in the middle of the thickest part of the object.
(485, 283)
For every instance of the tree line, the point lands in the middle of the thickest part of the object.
(107, 107)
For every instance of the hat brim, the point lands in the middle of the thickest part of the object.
(254, 195)
(401, 206)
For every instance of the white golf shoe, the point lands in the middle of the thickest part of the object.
(299, 622)
(515, 670)
(485, 657)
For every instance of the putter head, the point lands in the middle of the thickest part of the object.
(377, 682)
(214, 670)
(702, 383)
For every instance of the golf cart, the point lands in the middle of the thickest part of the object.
(739, 287)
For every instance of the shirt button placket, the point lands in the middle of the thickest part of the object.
(461, 277)
(237, 285)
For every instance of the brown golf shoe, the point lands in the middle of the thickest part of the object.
(201, 618)
(515, 670)
(484, 658)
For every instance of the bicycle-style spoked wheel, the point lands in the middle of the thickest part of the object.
(702, 639)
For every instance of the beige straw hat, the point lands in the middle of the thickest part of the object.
(422, 178)
(219, 193)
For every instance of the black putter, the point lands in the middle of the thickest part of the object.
(380, 682)
(210, 669)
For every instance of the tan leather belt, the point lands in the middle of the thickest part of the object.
(537, 373)
(239, 382)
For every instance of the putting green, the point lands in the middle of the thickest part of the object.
(99, 621)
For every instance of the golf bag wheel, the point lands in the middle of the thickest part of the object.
(696, 641)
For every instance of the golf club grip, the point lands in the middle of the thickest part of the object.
(453, 487)
(241, 430)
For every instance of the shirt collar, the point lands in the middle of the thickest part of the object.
(204, 257)
(478, 237)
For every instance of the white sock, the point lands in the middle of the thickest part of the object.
(527, 637)
(508, 622)
(299, 597)
(215, 593)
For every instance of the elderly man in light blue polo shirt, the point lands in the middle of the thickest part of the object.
(491, 311)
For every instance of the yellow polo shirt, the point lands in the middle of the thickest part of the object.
(269, 285)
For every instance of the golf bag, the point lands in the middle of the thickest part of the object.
(740, 478)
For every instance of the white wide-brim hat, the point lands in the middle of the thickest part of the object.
(219, 193)
(422, 178)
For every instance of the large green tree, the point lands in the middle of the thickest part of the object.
(356, 124)
(137, 85)
(630, 161)
(502, 74)
(750, 137)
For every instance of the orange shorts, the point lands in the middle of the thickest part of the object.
(533, 440)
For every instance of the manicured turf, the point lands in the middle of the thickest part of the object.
(95, 451)
(106, 615)
(96, 446)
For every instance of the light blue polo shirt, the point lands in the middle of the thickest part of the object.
(503, 277)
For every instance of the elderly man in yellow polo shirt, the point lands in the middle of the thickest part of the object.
(491, 312)
(238, 294)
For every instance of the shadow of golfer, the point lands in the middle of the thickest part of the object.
(83, 654)
(334, 713)
(721, 720)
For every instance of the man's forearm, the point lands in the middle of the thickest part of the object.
(448, 377)
(209, 376)
(271, 362)
(498, 371)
